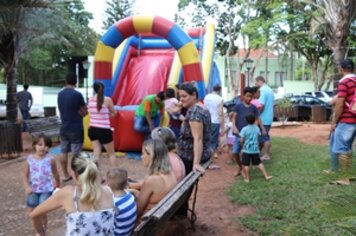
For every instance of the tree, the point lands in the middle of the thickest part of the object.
(335, 20)
(117, 10)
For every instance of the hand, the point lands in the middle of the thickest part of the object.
(264, 133)
(198, 168)
(332, 127)
(28, 190)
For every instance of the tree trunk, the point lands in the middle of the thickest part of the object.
(315, 76)
(11, 81)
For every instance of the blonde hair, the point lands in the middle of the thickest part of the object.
(117, 179)
(86, 170)
(159, 152)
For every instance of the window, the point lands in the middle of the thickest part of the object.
(319, 94)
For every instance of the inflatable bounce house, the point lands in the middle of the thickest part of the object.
(142, 55)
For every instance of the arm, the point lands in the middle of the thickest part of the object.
(197, 132)
(25, 181)
(83, 109)
(234, 128)
(259, 123)
(136, 186)
(161, 110)
(54, 202)
(144, 196)
(30, 102)
(221, 116)
(55, 173)
(339, 107)
(111, 106)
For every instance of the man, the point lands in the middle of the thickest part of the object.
(214, 103)
(267, 100)
(146, 115)
(24, 98)
(343, 125)
(72, 109)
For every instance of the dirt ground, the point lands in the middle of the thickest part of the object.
(217, 215)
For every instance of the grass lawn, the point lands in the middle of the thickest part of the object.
(299, 200)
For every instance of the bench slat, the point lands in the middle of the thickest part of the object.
(166, 208)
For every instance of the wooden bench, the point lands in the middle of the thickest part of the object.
(168, 206)
(49, 126)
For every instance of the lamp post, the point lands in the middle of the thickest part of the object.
(248, 63)
(86, 65)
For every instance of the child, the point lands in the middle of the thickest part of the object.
(39, 169)
(124, 202)
(239, 113)
(255, 97)
(250, 150)
(230, 137)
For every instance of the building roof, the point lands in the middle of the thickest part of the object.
(254, 53)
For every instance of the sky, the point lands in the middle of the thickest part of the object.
(164, 8)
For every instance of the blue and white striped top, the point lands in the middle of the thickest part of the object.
(126, 219)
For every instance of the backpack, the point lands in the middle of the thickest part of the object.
(352, 104)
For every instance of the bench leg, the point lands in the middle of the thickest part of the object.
(193, 216)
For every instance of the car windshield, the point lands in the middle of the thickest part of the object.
(319, 94)
(330, 93)
(313, 101)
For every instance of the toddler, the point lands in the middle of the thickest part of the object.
(39, 168)
(124, 202)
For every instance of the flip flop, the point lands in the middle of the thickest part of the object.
(340, 182)
(214, 167)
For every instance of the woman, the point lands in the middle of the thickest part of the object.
(89, 206)
(160, 179)
(194, 140)
(168, 137)
(100, 110)
(172, 106)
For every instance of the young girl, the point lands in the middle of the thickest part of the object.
(39, 169)
(230, 139)
(255, 97)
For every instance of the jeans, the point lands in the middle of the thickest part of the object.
(341, 142)
(35, 199)
(214, 141)
(236, 147)
(25, 116)
(141, 125)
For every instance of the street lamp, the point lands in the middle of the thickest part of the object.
(248, 62)
(86, 65)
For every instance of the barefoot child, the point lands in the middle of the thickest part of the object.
(124, 202)
(250, 150)
(39, 168)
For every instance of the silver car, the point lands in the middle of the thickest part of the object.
(37, 110)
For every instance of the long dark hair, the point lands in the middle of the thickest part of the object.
(99, 90)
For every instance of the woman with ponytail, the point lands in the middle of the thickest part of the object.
(89, 206)
(100, 110)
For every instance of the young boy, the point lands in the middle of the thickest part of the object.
(250, 150)
(239, 113)
(124, 202)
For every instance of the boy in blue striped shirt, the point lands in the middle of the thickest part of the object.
(124, 202)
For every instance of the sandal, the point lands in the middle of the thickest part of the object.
(67, 179)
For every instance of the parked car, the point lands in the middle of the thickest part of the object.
(37, 110)
(303, 105)
(324, 96)
(230, 104)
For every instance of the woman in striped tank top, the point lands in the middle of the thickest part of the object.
(100, 110)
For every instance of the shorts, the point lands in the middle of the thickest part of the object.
(342, 138)
(247, 158)
(230, 140)
(104, 136)
(265, 138)
(35, 199)
(71, 142)
(236, 147)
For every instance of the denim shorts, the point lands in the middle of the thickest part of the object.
(265, 138)
(342, 138)
(35, 199)
(236, 147)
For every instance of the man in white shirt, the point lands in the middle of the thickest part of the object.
(214, 103)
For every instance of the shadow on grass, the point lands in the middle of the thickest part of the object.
(299, 200)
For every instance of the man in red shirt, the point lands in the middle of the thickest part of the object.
(343, 125)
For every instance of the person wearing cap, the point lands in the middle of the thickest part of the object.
(343, 125)
(149, 114)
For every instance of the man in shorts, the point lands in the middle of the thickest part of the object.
(343, 125)
(72, 109)
(266, 114)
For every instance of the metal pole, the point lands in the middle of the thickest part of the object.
(77, 73)
(248, 77)
(86, 88)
